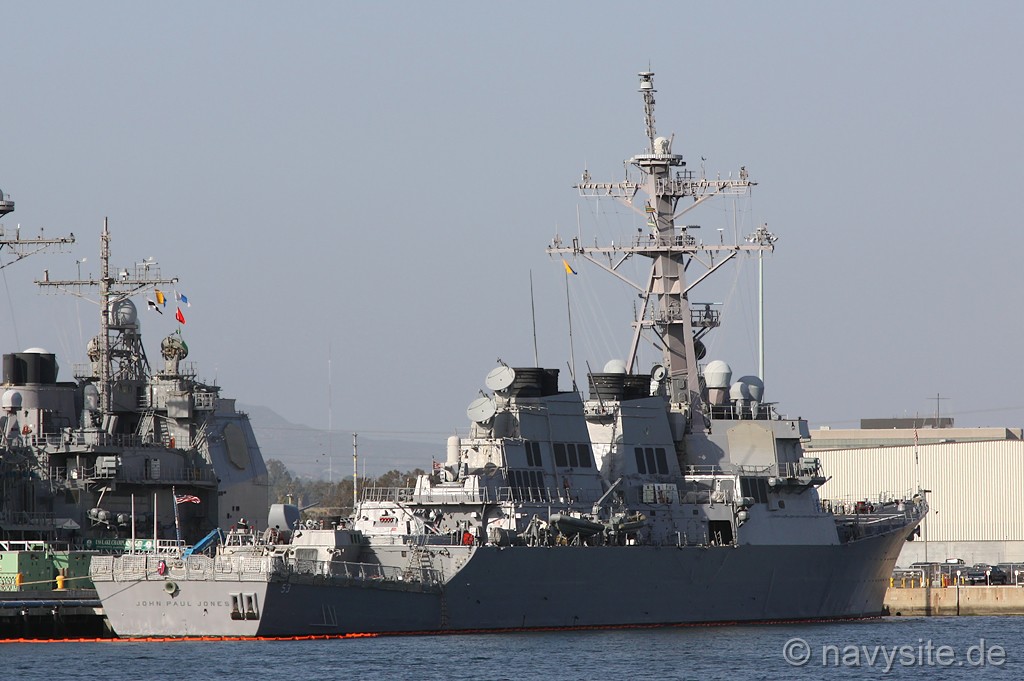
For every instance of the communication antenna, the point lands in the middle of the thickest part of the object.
(938, 399)
(568, 311)
(22, 248)
(533, 316)
(355, 471)
(330, 419)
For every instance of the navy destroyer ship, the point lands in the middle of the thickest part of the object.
(672, 494)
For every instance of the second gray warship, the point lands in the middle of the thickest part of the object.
(123, 457)
(674, 495)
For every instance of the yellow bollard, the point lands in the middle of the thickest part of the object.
(60, 582)
(892, 582)
(18, 579)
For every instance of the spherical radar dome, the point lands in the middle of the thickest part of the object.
(615, 366)
(124, 313)
(747, 388)
(717, 374)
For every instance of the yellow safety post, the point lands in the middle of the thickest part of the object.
(60, 582)
(18, 579)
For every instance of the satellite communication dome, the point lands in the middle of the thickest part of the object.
(717, 374)
(615, 366)
(123, 313)
(35, 351)
(11, 400)
(747, 388)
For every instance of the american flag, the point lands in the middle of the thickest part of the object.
(436, 465)
(186, 499)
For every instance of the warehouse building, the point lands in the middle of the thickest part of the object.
(975, 477)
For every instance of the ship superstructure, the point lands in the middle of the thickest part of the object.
(97, 461)
(669, 494)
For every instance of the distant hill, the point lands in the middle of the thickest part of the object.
(307, 452)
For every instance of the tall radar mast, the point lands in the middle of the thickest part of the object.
(672, 249)
(117, 352)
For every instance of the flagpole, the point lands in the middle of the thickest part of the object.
(177, 520)
(155, 537)
(355, 472)
(533, 315)
(330, 419)
(568, 309)
(133, 522)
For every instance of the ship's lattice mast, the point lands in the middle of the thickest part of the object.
(119, 352)
(671, 248)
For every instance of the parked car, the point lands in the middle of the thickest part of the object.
(986, 574)
(1012, 569)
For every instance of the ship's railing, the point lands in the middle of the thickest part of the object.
(67, 440)
(385, 494)
(34, 545)
(851, 505)
(765, 412)
(706, 317)
(784, 470)
(869, 517)
(184, 474)
(40, 520)
(481, 495)
(71, 440)
(143, 567)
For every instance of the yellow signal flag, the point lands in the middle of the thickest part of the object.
(160, 299)
(568, 269)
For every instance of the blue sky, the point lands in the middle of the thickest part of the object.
(370, 186)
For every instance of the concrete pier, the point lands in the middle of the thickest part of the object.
(954, 600)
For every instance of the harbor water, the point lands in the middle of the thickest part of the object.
(896, 648)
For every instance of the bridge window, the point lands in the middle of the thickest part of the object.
(641, 462)
(584, 452)
(650, 460)
(560, 459)
(659, 454)
(533, 454)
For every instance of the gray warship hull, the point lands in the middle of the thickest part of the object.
(528, 588)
